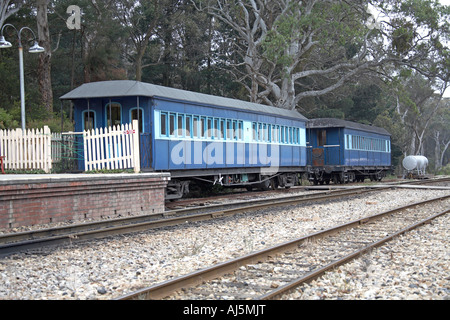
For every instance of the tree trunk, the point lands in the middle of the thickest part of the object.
(44, 71)
(437, 150)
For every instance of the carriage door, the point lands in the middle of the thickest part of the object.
(144, 139)
(318, 156)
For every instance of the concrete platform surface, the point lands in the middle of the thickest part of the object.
(45, 178)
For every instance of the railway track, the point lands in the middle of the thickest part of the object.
(173, 204)
(270, 273)
(15, 242)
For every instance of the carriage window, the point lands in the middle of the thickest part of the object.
(195, 127)
(234, 136)
(202, 126)
(163, 124)
(188, 126)
(172, 124)
(222, 129)
(216, 129)
(241, 128)
(113, 114)
(139, 117)
(209, 131)
(89, 120)
(180, 125)
(229, 130)
(321, 138)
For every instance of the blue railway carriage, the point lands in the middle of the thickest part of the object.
(198, 136)
(343, 151)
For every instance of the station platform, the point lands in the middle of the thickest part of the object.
(31, 199)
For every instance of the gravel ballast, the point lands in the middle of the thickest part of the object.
(414, 266)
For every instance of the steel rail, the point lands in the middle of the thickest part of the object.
(165, 288)
(11, 243)
(89, 226)
(15, 242)
(319, 272)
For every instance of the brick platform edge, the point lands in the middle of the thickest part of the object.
(43, 200)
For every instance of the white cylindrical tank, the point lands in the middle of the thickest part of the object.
(415, 162)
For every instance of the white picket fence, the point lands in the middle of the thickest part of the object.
(115, 147)
(26, 150)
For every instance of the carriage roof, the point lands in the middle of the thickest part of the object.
(339, 123)
(123, 88)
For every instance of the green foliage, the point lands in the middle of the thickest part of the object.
(444, 170)
(326, 113)
(403, 36)
(106, 171)
(24, 171)
(7, 120)
(391, 122)
(338, 23)
(53, 123)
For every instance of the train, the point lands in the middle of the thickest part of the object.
(207, 139)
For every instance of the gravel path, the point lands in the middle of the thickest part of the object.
(112, 267)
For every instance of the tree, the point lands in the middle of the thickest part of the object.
(416, 105)
(440, 133)
(291, 50)
(140, 20)
(8, 8)
(102, 41)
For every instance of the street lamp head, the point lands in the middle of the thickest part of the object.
(4, 43)
(36, 48)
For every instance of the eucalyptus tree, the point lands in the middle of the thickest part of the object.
(291, 50)
(420, 31)
(102, 37)
(440, 134)
(8, 8)
(140, 20)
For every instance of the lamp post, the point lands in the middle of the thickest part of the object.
(34, 49)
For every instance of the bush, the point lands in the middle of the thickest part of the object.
(53, 123)
(444, 170)
(7, 120)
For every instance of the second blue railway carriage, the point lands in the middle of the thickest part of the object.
(199, 136)
(344, 151)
